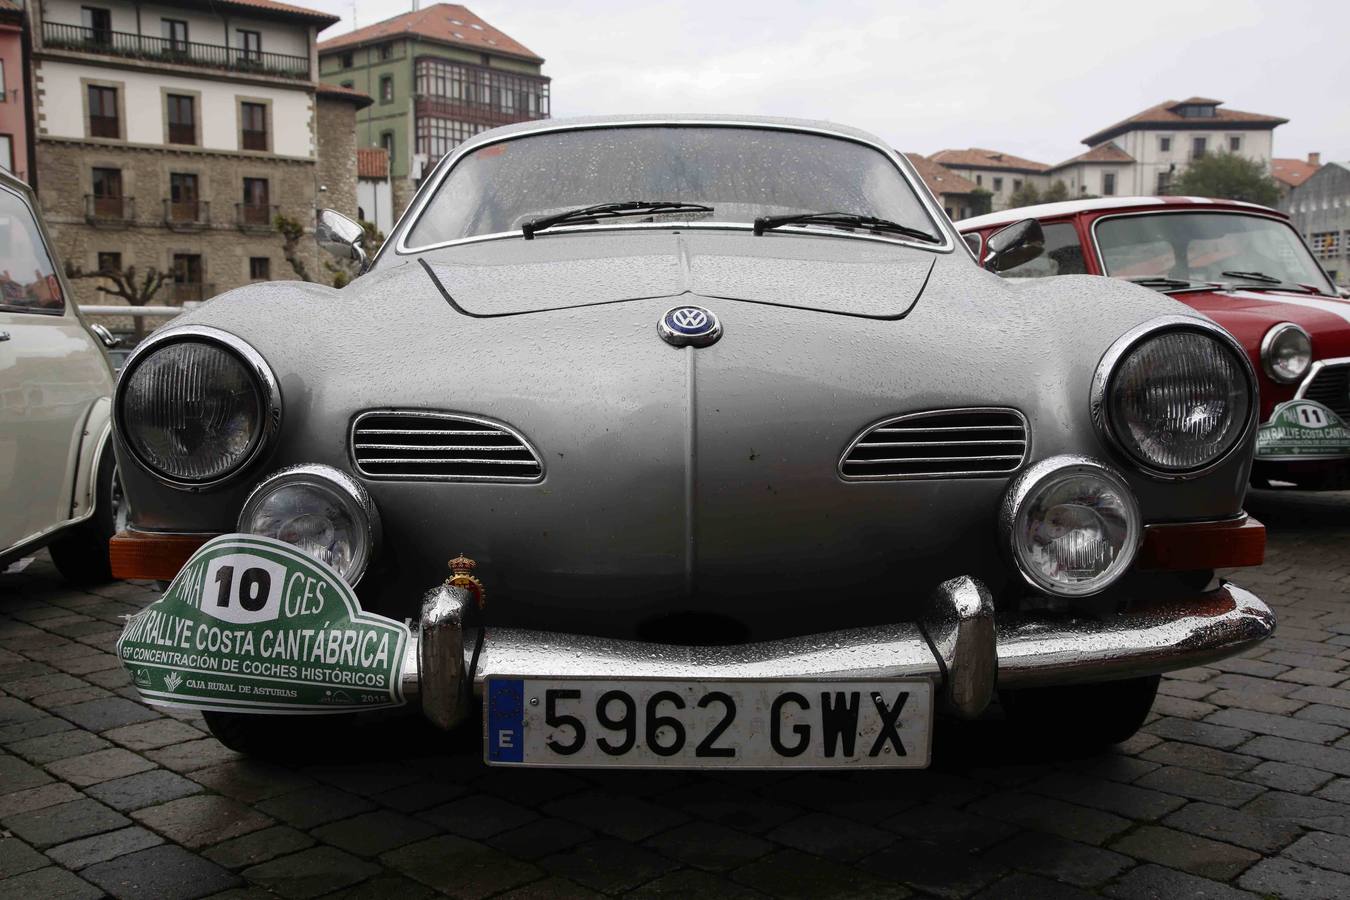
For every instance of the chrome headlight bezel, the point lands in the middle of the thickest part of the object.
(1103, 377)
(350, 492)
(1268, 345)
(1029, 484)
(264, 380)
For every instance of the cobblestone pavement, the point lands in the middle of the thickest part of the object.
(1238, 786)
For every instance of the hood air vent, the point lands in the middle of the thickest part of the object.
(947, 443)
(413, 445)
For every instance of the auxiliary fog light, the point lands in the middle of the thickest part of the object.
(1071, 526)
(319, 509)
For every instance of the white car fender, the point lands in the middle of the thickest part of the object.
(97, 434)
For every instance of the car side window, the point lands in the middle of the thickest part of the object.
(28, 282)
(1063, 255)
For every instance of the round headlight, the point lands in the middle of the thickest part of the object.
(1176, 401)
(320, 510)
(195, 405)
(1286, 352)
(1072, 526)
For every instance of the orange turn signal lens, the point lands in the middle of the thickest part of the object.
(144, 554)
(1188, 546)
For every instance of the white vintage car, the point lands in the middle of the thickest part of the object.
(58, 482)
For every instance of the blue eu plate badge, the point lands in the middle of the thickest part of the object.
(506, 720)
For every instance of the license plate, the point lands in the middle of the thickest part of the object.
(603, 723)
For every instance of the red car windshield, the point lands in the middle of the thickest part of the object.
(1229, 248)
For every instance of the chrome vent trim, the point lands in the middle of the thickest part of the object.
(943, 443)
(417, 445)
(1329, 384)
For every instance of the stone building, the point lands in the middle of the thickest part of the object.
(1291, 173)
(1320, 209)
(15, 150)
(171, 138)
(956, 193)
(439, 76)
(1001, 174)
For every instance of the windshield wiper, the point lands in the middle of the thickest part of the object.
(1263, 278)
(608, 211)
(844, 220)
(1165, 282)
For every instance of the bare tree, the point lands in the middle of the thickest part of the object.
(136, 288)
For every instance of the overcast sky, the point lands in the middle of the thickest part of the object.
(1029, 77)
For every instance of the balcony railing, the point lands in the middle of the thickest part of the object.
(191, 291)
(255, 216)
(187, 214)
(138, 46)
(109, 210)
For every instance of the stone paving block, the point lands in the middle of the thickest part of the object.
(1057, 858)
(1131, 801)
(192, 755)
(372, 833)
(50, 883)
(1315, 676)
(99, 766)
(1196, 756)
(144, 789)
(16, 857)
(103, 847)
(1337, 791)
(478, 816)
(682, 884)
(935, 869)
(258, 847)
(1311, 812)
(384, 886)
(1020, 886)
(1282, 726)
(1187, 690)
(1328, 715)
(528, 786)
(1188, 852)
(540, 838)
(1326, 851)
(17, 775)
(1326, 696)
(311, 873)
(1112, 766)
(28, 688)
(250, 780)
(1245, 666)
(706, 845)
(64, 822)
(729, 806)
(83, 694)
(461, 867)
(1327, 759)
(165, 872)
(40, 726)
(201, 820)
(110, 679)
(623, 817)
(1292, 880)
(608, 865)
(952, 828)
(792, 875)
(1181, 708)
(36, 798)
(1201, 786)
(363, 778)
(153, 734)
(1151, 882)
(420, 795)
(59, 745)
(1286, 777)
(313, 806)
(106, 713)
(831, 837)
(1266, 703)
(1055, 816)
(1218, 736)
(85, 665)
(1234, 827)
(860, 800)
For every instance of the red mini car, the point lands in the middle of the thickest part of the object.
(1242, 265)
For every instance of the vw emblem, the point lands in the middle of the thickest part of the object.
(689, 326)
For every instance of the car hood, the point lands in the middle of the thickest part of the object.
(1248, 314)
(832, 274)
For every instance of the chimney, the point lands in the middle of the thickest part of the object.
(1314, 159)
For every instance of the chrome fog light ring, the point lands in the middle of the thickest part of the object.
(1064, 528)
(320, 509)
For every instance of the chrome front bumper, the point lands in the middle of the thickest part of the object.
(958, 642)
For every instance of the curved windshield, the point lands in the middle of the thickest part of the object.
(1229, 248)
(743, 173)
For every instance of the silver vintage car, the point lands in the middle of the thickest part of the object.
(692, 442)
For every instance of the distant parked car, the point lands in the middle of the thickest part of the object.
(58, 484)
(1245, 267)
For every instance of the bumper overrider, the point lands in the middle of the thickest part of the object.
(960, 643)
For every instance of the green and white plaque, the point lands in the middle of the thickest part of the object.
(251, 624)
(1302, 429)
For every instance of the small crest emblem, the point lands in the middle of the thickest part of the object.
(461, 569)
(689, 326)
(172, 681)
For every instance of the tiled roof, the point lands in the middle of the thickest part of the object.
(286, 9)
(337, 91)
(977, 158)
(940, 179)
(10, 6)
(448, 23)
(1292, 172)
(1165, 115)
(1102, 153)
(372, 162)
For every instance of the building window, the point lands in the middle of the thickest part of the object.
(1165, 145)
(387, 142)
(104, 121)
(1234, 144)
(98, 22)
(497, 97)
(4, 90)
(1198, 147)
(1196, 111)
(255, 209)
(260, 268)
(1326, 244)
(998, 184)
(109, 261)
(175, 32)
(7, 152)
(108, 198)
(182, 117)
(437, 136)
(386, 51)
(347, 61)
(349, 84)
(979, 180)
(1164, 183)
(250, 45)
(253, 121)
(187, 277)
(1108, 184)
(386, 88)
(184, 205)
(1017, 184)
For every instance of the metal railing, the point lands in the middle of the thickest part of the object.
(119, 210)
(255, 216)
(187, 213)
(60, 36)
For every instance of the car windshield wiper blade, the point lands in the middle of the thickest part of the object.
(1165, 282)
(600, 211)
(1255, 276)
(844, 220)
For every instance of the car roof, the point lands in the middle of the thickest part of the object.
(1096, 204)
